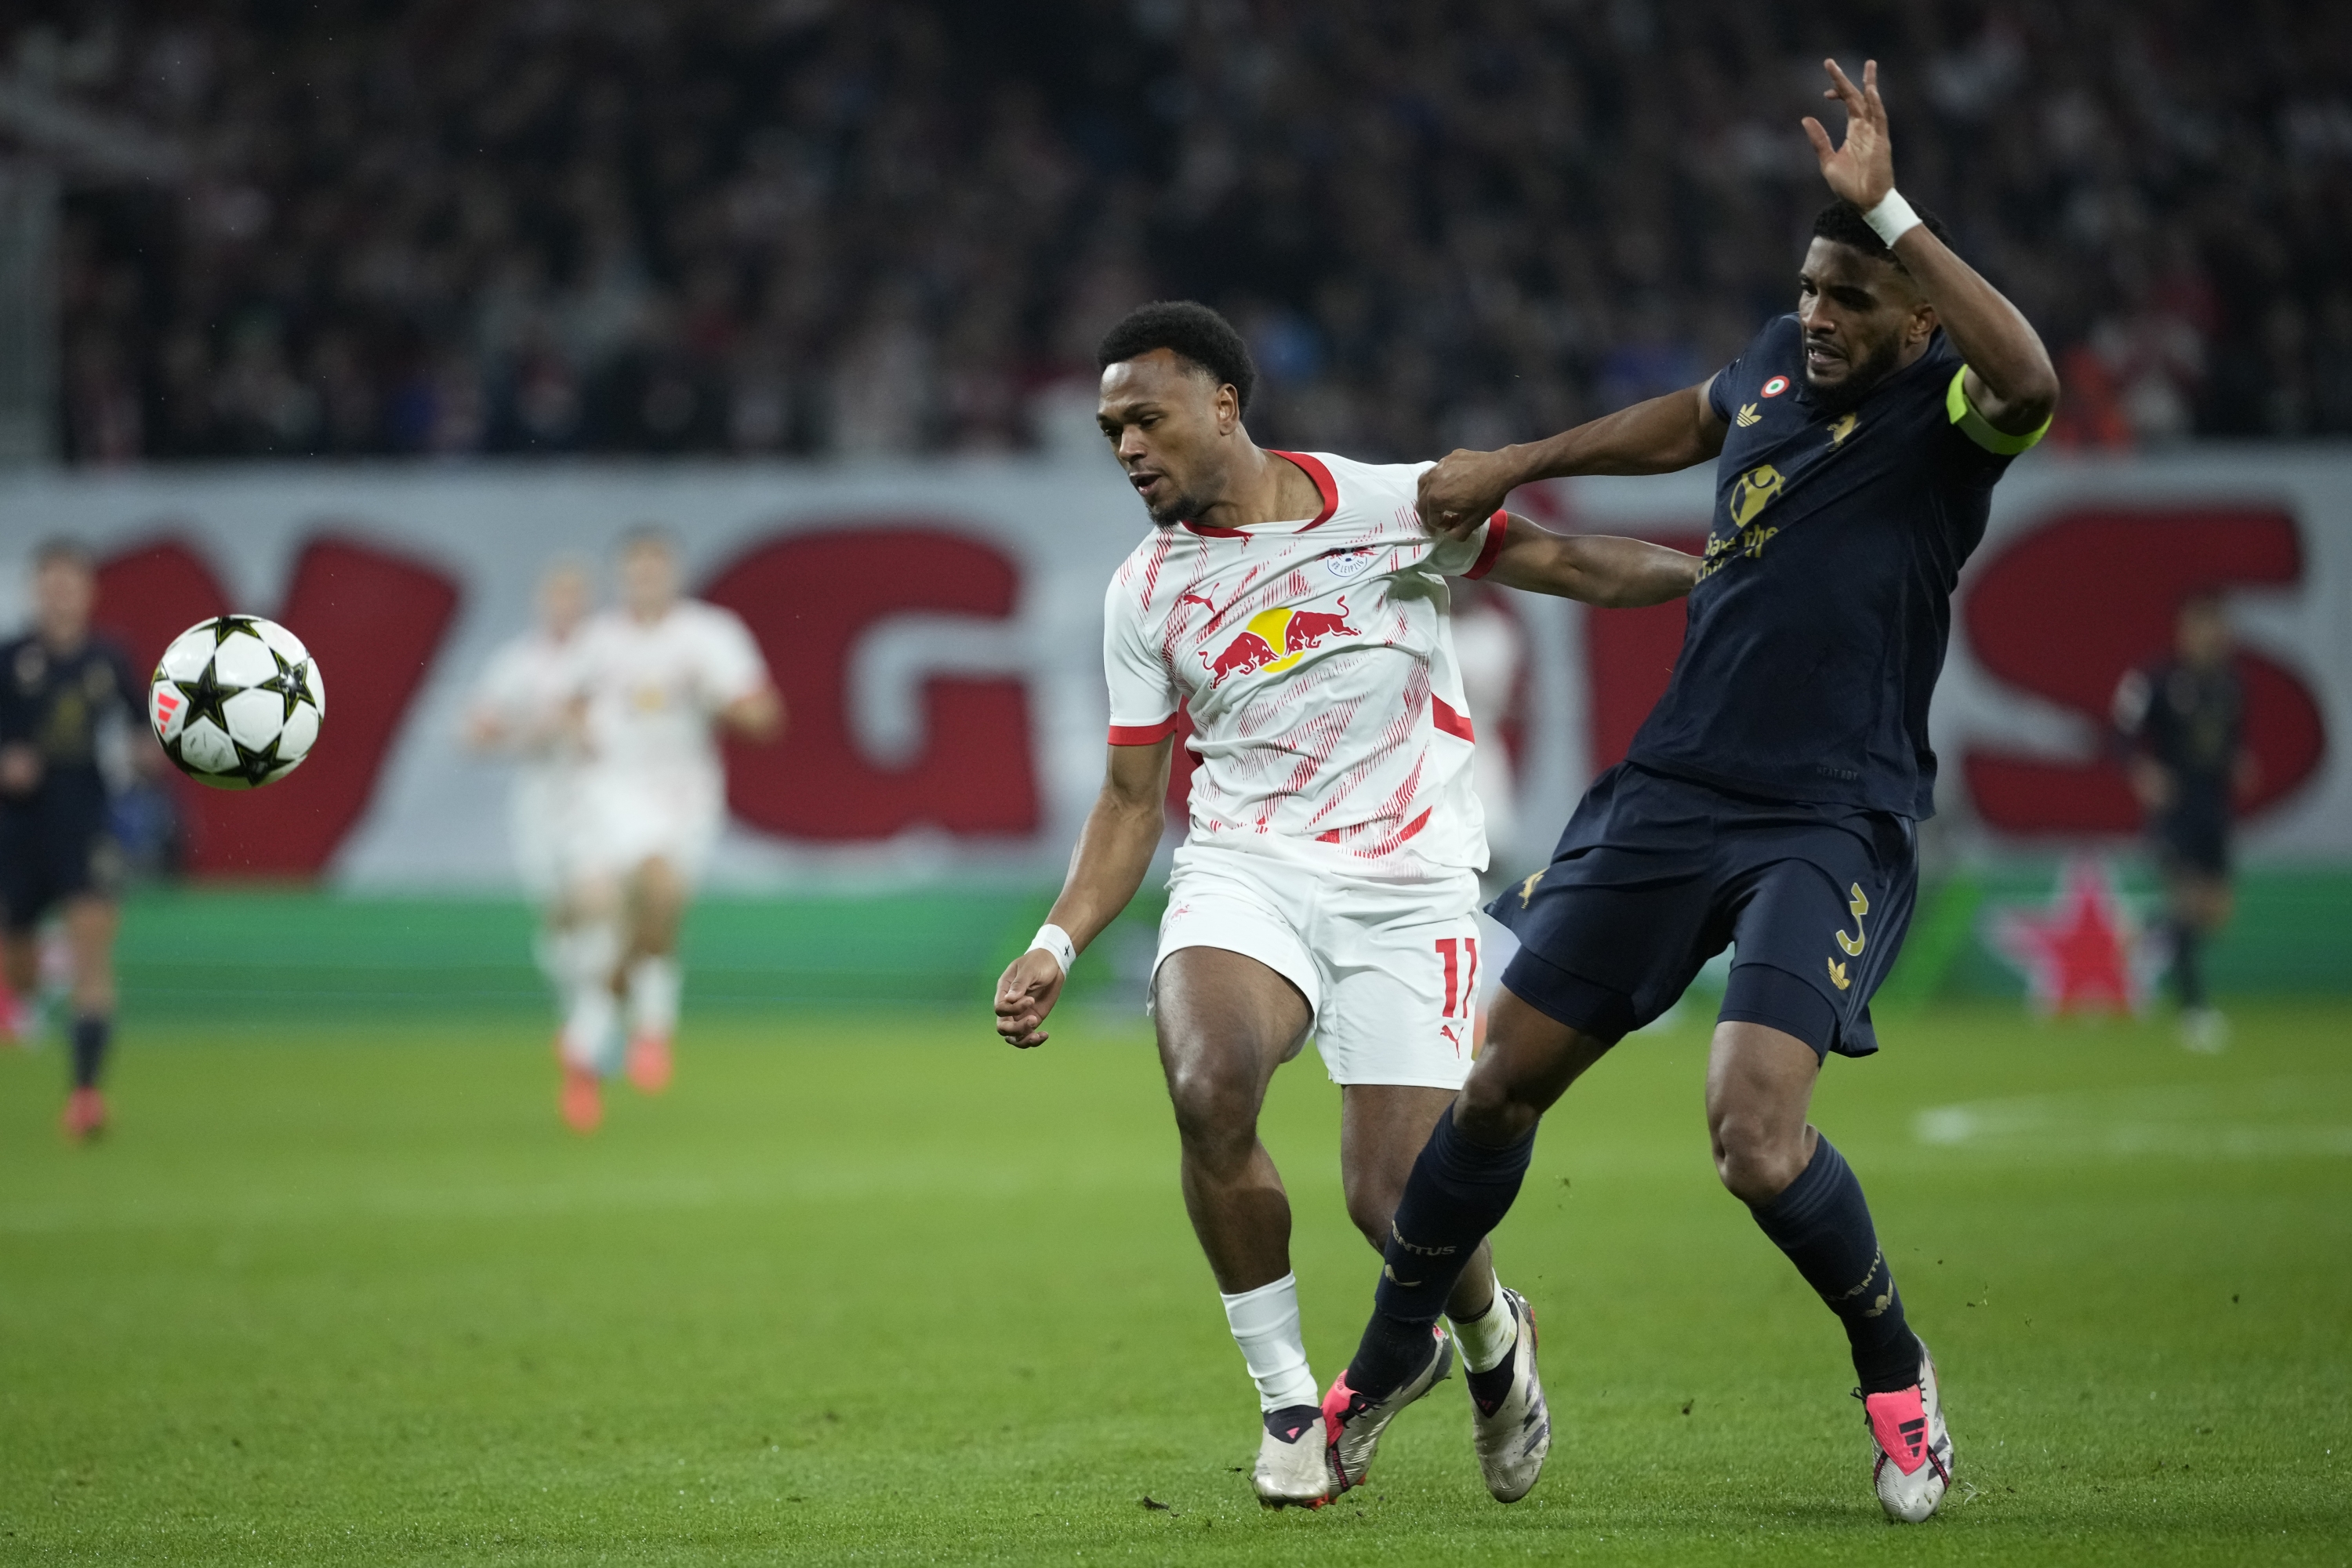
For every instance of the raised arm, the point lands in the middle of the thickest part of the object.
(2010, 380)
(1655, 436)
(1114, 851)
(1599, 569)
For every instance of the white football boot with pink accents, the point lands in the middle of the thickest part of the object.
(1913, 1465)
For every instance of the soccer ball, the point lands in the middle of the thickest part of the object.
(237, 701)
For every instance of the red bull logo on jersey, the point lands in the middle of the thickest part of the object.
(1276, 639)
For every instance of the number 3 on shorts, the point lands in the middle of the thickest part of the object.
(1460, 955)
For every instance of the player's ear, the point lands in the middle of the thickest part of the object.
(1228, 409)
(1922, 324)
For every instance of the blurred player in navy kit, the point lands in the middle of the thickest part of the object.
(1770, 799)
(70, 708)
(2182, 722)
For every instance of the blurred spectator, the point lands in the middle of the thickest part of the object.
(548, 225)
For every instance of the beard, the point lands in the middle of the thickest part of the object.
(1862, 377)
(1175, 512)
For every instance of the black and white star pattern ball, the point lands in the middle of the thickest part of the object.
(237, 701)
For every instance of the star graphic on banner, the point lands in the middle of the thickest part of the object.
(2084, 953)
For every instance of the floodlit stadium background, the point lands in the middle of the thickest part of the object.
(355, 314)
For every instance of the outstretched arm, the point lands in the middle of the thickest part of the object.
(1599, 569)
(2010, 380)
(1655, 436)
(1114, 851)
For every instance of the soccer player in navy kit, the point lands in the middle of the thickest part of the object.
(60, 688)
(1770, 799)
(2182, 724)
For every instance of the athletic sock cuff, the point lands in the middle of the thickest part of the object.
(1460, 1161)
(1821, 1182)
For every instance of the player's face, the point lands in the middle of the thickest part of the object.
(648, 579)
(1171, 428)
(63, 591)
(1861, 317)
(2201, 636)
(563, 596)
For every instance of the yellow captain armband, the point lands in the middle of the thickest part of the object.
(1972, 424)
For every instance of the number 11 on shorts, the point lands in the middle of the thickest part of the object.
(1461, 956)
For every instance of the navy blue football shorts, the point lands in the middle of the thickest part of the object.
(53, 848)
(1655, 875)
(2194, 841)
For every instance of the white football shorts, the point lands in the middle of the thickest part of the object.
(552, 830)
(1391, 970)
(637, 815)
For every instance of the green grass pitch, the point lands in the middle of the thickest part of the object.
(870, 1286)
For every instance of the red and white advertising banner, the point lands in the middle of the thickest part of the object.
(936, 630)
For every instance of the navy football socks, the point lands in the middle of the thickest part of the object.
(1821, 1221)
(2188, 972)
(1460, 1190)
(90, 1034)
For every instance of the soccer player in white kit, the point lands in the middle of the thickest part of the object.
(530, 706)
(661, 676)
(1295, 604)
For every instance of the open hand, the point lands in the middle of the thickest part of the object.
(1031, 984)
(20, 768)
(1862, 171)
(1463, 490)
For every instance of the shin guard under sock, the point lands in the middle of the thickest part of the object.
(1460, 1190)
(90, 1034)
(1821, 1222)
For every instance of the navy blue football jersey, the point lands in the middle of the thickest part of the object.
(1819, 623)
(59, 703)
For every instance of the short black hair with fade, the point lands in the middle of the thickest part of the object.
(1841, 222)
(1192, 332)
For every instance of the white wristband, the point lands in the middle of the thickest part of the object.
(1892, 217)
(1056, 940)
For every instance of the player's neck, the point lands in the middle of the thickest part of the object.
(64, 642)
(1262, 488)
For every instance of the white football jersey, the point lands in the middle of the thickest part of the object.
(1318, 669)
(654, 691)
(526, 688)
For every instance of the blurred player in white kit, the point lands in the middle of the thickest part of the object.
(530, 705)
(660, 677)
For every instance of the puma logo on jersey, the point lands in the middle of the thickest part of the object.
(1840, 428)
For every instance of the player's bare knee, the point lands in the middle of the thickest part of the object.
(1490, 1111)
(1216, 1111)
(1755, 1161)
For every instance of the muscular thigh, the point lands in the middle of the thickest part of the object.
(1224, 1018)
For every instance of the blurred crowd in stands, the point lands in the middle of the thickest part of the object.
(877, 226)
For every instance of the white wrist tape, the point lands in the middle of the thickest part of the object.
(1056, 940)
(1892, 217)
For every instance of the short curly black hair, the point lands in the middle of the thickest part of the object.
(1194, 332)
(1841, 222)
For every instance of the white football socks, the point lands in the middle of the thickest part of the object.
(1265, 1325)
(1487, 1338)
(654, 986)
(586, 1038)
(586, 954)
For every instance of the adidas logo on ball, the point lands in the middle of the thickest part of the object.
(237, 701)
